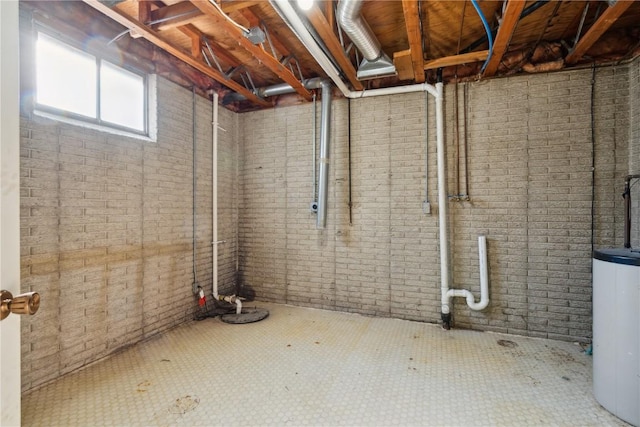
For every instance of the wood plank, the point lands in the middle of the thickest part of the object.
(184, 13)
(235, 5)
(164, 44)
(412, 23)
(258, 53)
(508, 25)
(192, 32)
(144, 11)
(464, 58)
(604, 22)
(404, 65)
(329, 13)
(325, 31)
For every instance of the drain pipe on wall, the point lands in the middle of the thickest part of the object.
(325, 138)
(445, 292)
(214, 196)
(290, 16)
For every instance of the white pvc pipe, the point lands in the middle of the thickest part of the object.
(214, 196)
(442, 200)
(484, 281)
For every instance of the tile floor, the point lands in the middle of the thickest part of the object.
(311, 367)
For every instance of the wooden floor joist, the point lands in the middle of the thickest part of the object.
(158, 40)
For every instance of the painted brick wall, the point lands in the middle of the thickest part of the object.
(106, 231)
(529, 168)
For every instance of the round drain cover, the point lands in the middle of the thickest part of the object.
(248, 315)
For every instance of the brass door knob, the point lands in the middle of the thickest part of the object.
(27, 303)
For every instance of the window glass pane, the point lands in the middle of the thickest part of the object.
(121, 97)
(65, 77)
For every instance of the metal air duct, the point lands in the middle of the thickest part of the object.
(375, 63)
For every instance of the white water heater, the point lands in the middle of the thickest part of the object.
(616, 332)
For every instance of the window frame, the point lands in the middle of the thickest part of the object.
(75, 118)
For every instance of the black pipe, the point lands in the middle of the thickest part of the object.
(446, 320)
(627, 209)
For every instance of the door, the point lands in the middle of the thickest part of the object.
(9, 209)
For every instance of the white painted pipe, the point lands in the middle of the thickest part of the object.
(442, 201)
(484, 281)
(214, 196)
(325, 140)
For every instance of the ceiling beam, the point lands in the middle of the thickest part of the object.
(161, 42)
(193, 33)
(258, 53)
(412, 23)
(174, 16)
(508, 25)
(144, 11)
(329, 12)
(604, 22)
(325, 31)
(463, 58)
(282, 51)
(229, 6)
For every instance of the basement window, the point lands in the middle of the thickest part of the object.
(78, 87)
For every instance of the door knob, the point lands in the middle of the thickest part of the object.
(27, 303)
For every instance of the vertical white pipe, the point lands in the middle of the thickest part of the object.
(484, 275)
(325, 139)
(484, 281)
(214, 195)
(442, 200)
(214, 200)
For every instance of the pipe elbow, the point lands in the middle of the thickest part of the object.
(477, 306)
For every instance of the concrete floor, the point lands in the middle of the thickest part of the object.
(311, 367)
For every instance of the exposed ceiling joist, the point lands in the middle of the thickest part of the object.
(161, 42)
(229, 6)
(258, 53)
(174, 16)
(463, 58)
(144, 11)
(197, 37)
(325, 31)
(604, 22)
(508, 25)
(412, 23)
(329, 13)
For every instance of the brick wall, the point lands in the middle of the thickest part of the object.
(106, 221)
(530, 187)
(106, 231)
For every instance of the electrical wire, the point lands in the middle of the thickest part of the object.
(217, 6)
(488, 31)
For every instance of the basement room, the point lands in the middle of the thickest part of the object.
(320, 212)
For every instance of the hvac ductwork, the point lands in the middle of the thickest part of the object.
(375, 63)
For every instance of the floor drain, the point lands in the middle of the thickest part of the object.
(507, 343)
(248, 315)
(184, 404)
